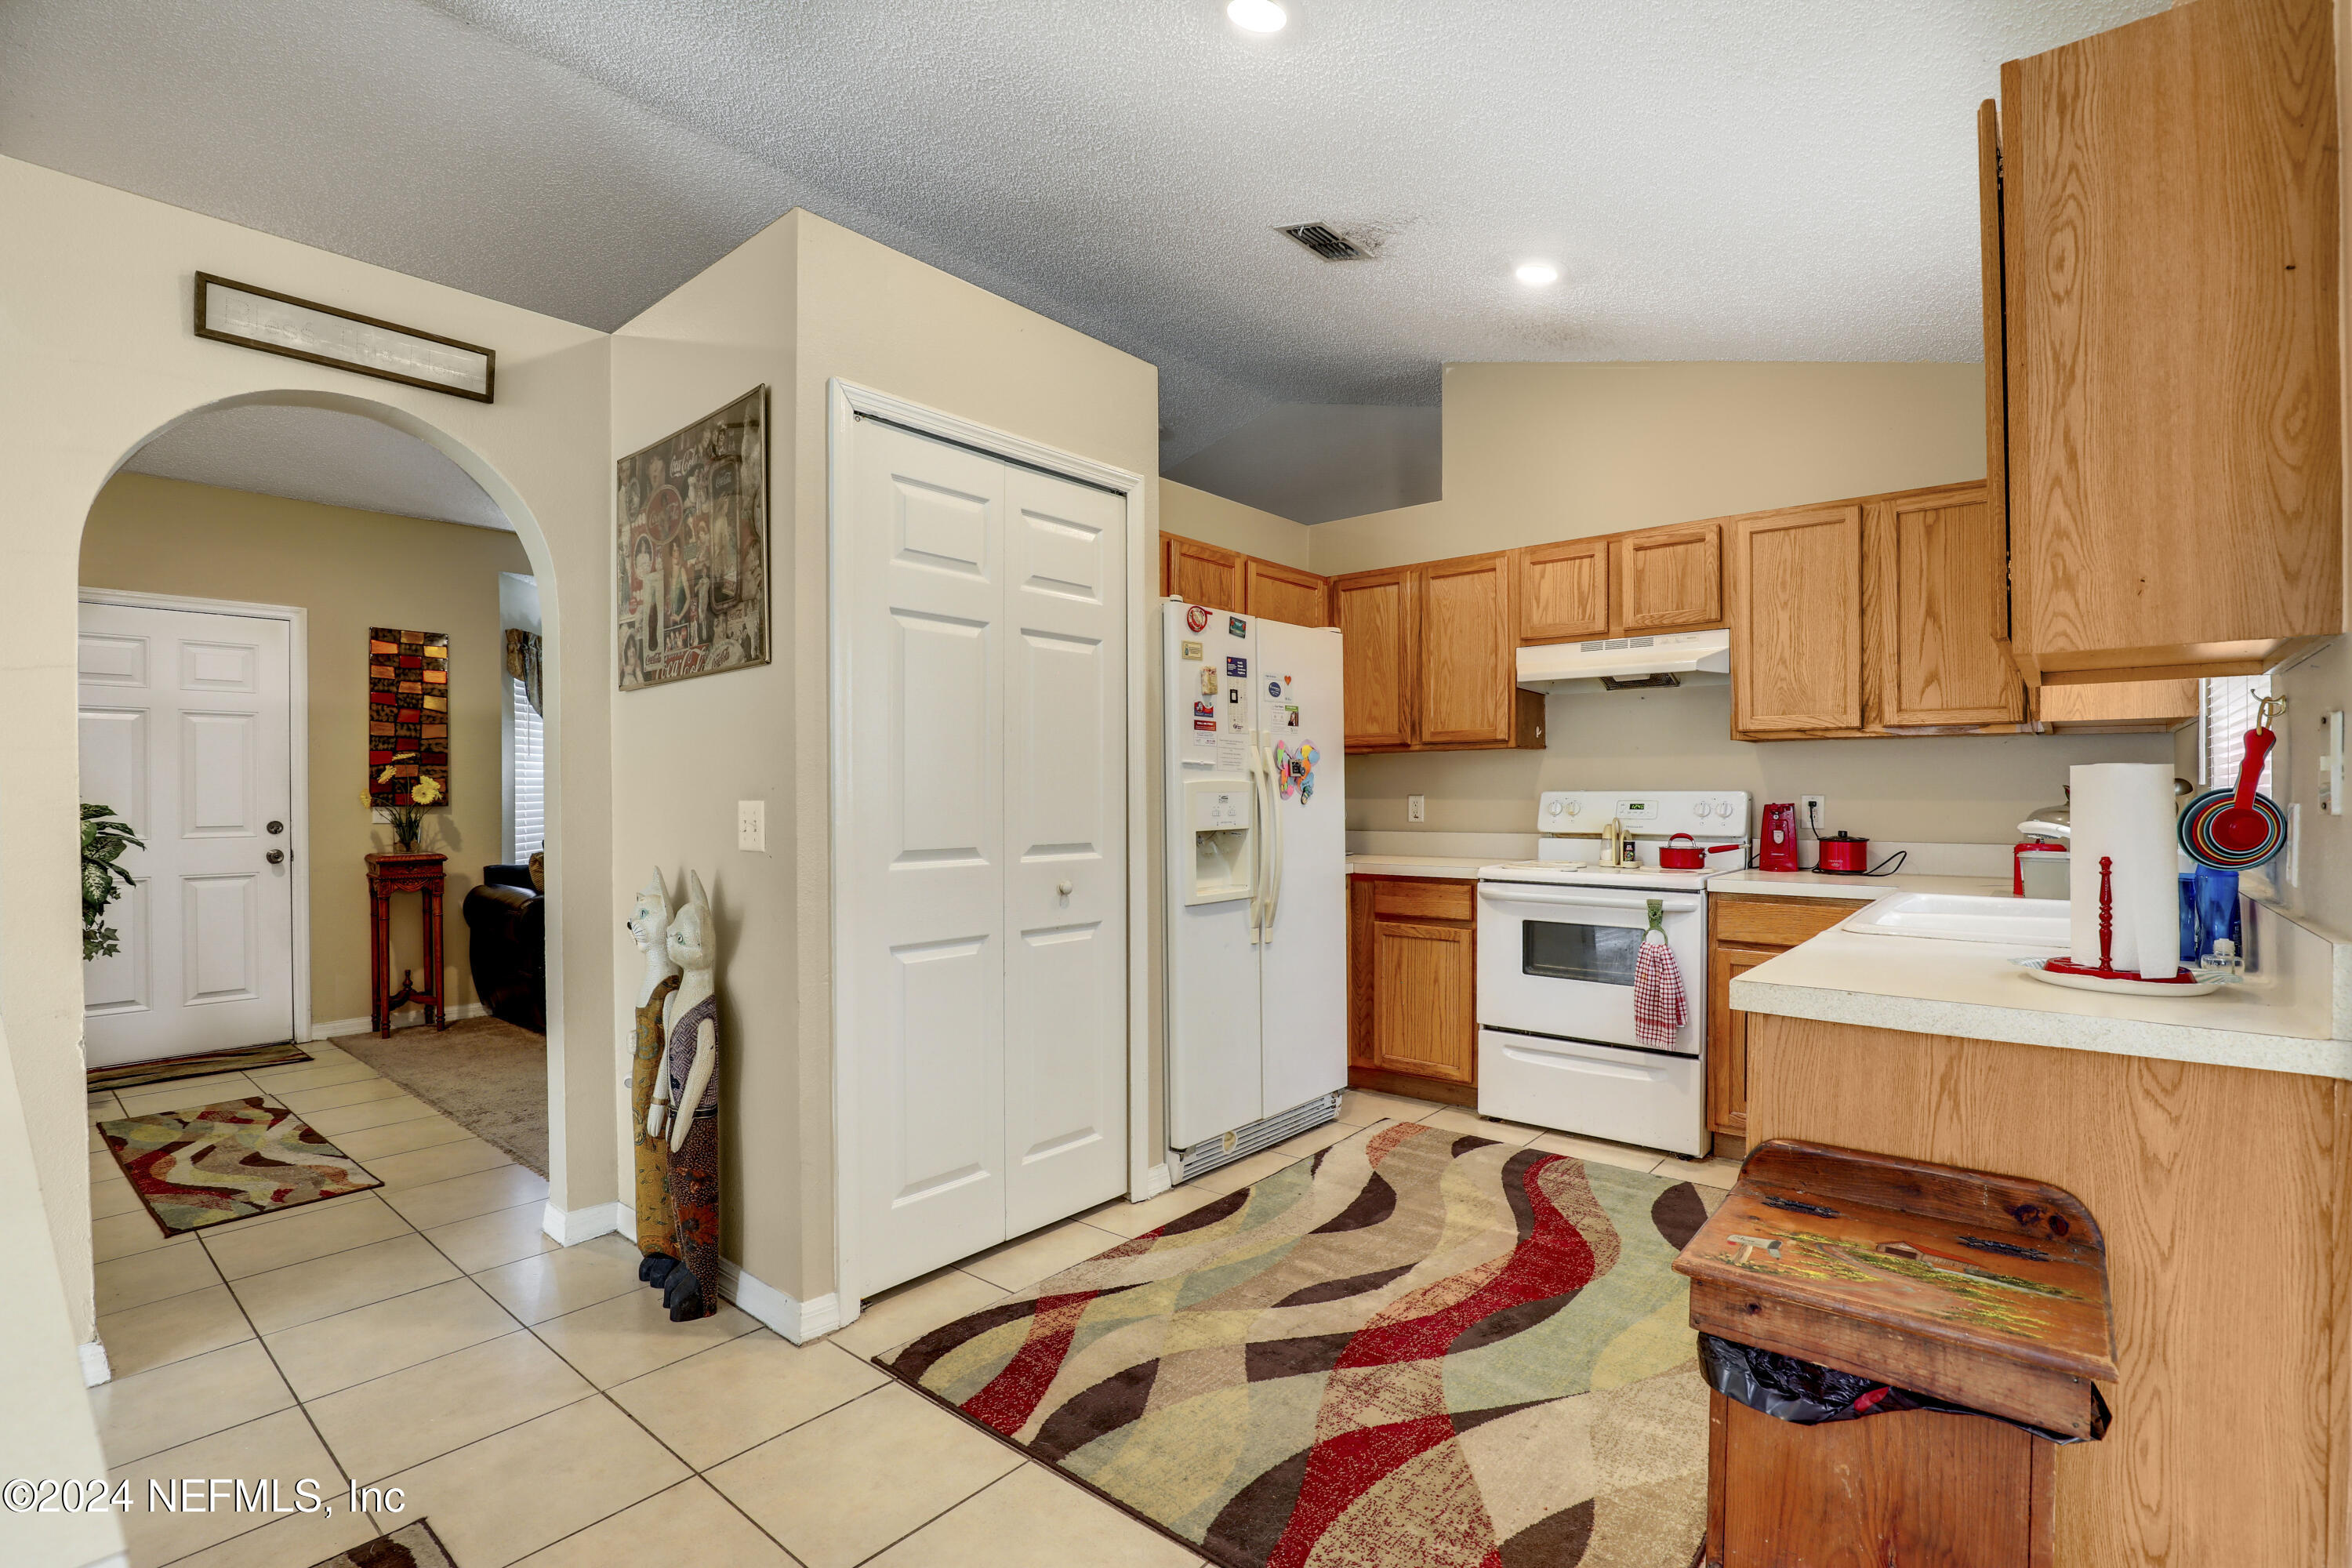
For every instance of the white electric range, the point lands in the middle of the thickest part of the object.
(1557, 937)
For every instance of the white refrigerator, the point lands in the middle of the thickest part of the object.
(1256, 913)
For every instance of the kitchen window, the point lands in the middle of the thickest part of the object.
(2227, 710)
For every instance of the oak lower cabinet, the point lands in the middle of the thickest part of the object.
(1431, 658)
(1412, 1022)
(1744, 931)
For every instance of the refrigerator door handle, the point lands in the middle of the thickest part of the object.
(1278, 848)
(1258, 843)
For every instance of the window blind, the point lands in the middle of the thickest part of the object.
(529, 775)
(2229, 705)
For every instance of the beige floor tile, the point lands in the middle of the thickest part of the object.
(424, 1411)
(490, 1240)
(1134, 1219)
(651, 1532)
(121, 1235)
(1034, 1519)
(530, 1486)
(372, 1143)
(97, 1139)
(550, 1284)
(359, 1091)
(913, 1311)
(1361, 1108)
(172, 1330)
(1597, 1150)
(1704, 1172)
(187, 1094)
(840, 1488)
(103, 1165)
(299, 1541)
(631, 1335)
(321, 1075)
(102, 1105)
(1454, 1119)
(312, 1230)
(323, 1287)
(381, 1112)
(319, 1358)
(423, 1167)
(1020, 1264)
(280, 1448)
(110, 1195)
(463, 1198)
(714, 1405)
(151, 1411)
(1316, 1138)
(144, 1277)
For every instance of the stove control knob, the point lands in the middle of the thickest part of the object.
(1553, 809)
(1704, 809)
(1574, 807)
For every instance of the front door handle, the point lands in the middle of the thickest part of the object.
(275, 857)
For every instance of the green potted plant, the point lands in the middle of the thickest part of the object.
(104, 837)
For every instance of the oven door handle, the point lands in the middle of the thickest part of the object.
(1523, 893)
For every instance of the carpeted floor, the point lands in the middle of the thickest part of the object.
(484, 1074)
(227, 1161)
(1419, 1349)
(411, 1546)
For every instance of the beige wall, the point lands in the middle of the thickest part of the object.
(1213, 520)
(350, 570)
(100, 353)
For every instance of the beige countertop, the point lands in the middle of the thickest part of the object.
(1861, 889)
(1415, 865)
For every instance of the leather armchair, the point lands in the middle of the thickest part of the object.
(507, 946)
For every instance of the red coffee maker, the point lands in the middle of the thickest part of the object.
(1776, 844)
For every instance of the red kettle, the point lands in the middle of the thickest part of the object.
(1776, 847)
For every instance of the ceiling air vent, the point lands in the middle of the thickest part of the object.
(1328, 242)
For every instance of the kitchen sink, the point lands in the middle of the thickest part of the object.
(1955, 917)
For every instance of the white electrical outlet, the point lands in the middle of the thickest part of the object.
(752, 825)
(1810, 809)
(1415, 807)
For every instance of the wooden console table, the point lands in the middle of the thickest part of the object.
(415, 871)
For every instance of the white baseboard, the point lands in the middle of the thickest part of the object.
(570, 1228)
(1155, 1182)
(799, 1321)
(95, 1368)
(328, 1028)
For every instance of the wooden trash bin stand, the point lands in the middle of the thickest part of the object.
(1986, 1291)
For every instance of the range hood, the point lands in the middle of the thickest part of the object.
(1629, 661)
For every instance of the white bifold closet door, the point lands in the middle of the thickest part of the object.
(981, 879)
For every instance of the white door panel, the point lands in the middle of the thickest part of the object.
(187, 731)
(1305, 955)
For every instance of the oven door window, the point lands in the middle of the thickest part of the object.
(1599, 955)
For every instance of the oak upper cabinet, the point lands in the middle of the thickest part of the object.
(1374, 612)
(1668, 579)
(1202, 574)
(1284, 593)
(1468, 651)
(1939, 592)
(2117, 707)
(1564, 591)
(2165, 293)
(1796, 620)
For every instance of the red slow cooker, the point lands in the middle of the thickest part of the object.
(1846, 854)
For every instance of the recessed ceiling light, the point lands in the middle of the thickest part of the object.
(1257, 16)
(1535, 274)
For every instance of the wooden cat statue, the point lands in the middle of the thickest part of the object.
(649, 1077)
(689, 1112)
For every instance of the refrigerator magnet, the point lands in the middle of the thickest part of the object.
(1196, 617)
(1237, 667)
(1236, 626)
(1190, 651)
(1208, 681)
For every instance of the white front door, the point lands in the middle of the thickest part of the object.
(187, 731)
(982, 753)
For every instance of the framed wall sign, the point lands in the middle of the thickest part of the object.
(692, 550)
(276, 323)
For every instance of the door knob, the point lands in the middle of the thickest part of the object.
(276, 828)
(1065, 887)
(275, 857)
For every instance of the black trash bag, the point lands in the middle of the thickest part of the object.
(1809, 1395)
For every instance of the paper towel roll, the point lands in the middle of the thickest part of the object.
(2124, 811)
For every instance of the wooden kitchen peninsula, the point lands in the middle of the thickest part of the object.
(2225, 1192)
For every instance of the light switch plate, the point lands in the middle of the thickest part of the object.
(752, 825)
(1415, 807)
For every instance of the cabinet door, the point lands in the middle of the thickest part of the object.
(2118, 706)
(1360, 972)
(1423, 1018)
(1375, 614)
(1726, 1036)
(1564, 590)
(1284, 593)
(1939, 572)
(1796, 621)
(1203, 575)
(1469, 658)
(1670, 579)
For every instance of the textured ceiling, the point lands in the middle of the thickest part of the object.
(318, 455)
(1725, 179)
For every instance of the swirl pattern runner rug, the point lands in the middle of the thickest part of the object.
(1417, 1349)
(217, 1163)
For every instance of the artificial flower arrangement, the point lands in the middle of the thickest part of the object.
(408, 821)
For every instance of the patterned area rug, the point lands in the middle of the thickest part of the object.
(166, 1069)
(1416, 1349)
(224, 1162)
(410, 1546)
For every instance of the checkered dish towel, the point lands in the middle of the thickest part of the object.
(1660, 1008)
